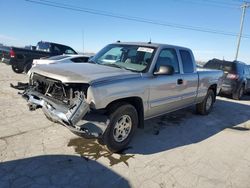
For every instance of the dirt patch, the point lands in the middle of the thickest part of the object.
(90, 149)
(173, 118)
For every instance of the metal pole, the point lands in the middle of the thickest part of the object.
(83, 41)
(244, 6)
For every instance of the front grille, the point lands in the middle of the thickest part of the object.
(50, 87)
(58, 90)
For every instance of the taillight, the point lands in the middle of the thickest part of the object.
(232, 76)
(12, 53)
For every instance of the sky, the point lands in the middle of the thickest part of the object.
(26, 23)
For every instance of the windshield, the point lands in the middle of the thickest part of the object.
(131, 57)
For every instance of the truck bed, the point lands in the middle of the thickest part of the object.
(206, 76)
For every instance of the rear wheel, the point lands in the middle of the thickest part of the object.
(239, 93)
(17, 69)
(206, 105)
(123, 123)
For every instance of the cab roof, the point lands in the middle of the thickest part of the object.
(151, 44)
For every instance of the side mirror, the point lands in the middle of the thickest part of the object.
(164, 70)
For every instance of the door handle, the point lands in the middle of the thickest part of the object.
(180, 81)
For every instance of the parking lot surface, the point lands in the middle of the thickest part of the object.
(180, 149)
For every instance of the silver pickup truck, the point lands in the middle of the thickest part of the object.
(120, 87)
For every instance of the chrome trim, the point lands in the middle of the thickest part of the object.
(73, 115)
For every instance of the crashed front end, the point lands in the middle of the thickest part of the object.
(65, 104)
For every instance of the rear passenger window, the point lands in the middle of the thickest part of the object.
(187, 62)
(240, 68)
(57, 50)
(168, 57)
(246, 70)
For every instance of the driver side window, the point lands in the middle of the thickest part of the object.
(168, 57)
(112, 55)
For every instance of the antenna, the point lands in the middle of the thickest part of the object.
(149, 41)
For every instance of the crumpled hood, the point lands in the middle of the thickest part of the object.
(83, 73)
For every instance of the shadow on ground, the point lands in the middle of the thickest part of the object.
(58, 171)
(245, 97)
(173, 130)
(185, 127)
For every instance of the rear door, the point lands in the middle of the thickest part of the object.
(189, 77)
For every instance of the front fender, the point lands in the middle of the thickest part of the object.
(100, 97)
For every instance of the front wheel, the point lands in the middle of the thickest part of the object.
(123, 123)
(206, 105)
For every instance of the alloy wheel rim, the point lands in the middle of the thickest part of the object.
(122, 128)
(209, 102)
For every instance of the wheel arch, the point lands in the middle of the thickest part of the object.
(134, 101)
(213, 87)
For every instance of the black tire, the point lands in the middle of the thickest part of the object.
(248, 91)
(202, 107)
(108, 138)
(16, 69)
(239, 93)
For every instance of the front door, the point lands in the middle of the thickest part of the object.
(166, 90)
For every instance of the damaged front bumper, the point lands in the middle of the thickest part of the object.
(78, 117)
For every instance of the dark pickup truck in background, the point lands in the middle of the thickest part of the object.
(5, 54)
(21, 58)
